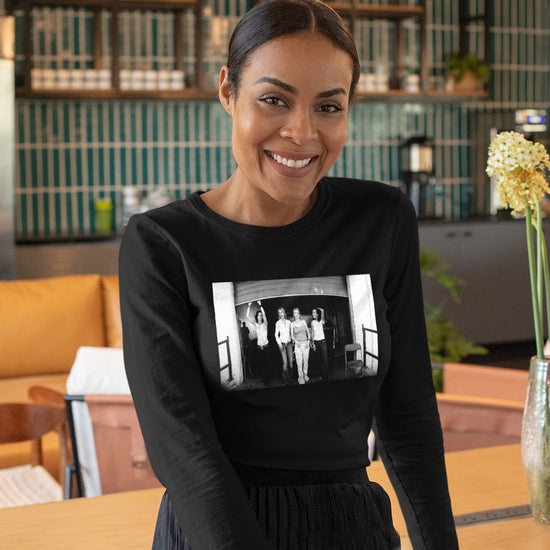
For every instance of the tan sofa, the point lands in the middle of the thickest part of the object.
(44, 322)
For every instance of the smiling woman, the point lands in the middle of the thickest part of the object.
(280, 464)
(289, 125)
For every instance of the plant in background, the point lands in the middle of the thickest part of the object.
(445, 341)
(520, 168)
(459, 64)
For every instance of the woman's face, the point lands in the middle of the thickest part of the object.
(289, 117)
(314, 313)
(281, 313)
(296, 313)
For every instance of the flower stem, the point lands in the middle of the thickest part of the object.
(546, 280)
(537, 317)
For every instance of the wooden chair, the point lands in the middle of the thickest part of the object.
(471, 422)
(122, 461)
(354, 365)
(121, 456)
(47, 396)
(29, 483)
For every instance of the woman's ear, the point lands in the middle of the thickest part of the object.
(225, 92)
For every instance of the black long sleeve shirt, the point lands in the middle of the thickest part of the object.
(186, 277)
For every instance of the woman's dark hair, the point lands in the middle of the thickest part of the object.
(257, 314)
(279, 18)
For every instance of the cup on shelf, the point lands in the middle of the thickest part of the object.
(48, 79)
(125, 79)
(137, 80)
(382, 82)
(164, 79)
(37, 78)
(412, 83)
(90, 79)
(63, 79)
(76, 79)
(150, 79)
(177, 80)
(104, 79)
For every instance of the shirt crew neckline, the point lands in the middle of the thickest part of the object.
(302, 223)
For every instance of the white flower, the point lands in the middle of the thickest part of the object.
(519, 166)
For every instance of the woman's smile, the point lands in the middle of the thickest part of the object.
(292, 165)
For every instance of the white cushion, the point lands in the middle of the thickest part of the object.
(95, 370)
(27, 484)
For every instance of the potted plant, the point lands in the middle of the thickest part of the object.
(446, 342)
(469, 72)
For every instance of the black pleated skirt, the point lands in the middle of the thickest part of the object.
(301, 510)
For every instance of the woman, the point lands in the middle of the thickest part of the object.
(282, 467)
(259, 321)
(318, 337)
(284, 343)
(299, 332)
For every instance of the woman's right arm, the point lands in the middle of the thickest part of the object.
(169, 393)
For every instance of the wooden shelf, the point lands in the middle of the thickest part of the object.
(108, 4)
(352, 10)
(376, 11)
(402, 96)
(101, 94)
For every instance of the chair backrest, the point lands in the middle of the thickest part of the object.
(29, 422)
(470, 422)
(352, 347)
(47, 396)
(121, 455)
(482, 381)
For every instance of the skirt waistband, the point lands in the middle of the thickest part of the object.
(257, 475)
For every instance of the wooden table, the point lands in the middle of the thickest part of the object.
(479, 480)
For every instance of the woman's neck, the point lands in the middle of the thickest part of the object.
(232, 202)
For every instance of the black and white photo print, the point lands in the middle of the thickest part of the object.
(284, 332)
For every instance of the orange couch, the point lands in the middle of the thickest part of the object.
(44, 322)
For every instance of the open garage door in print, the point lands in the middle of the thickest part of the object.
(295, 331)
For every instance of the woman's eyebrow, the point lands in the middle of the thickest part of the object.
(277, 82)
(293, 90)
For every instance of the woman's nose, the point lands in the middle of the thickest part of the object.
(299, 126)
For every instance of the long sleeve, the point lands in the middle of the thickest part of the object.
(406, 418)
(170, 395)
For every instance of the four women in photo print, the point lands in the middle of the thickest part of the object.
(294, 339)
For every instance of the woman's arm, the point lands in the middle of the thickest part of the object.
(263, 313)
(407, 422)
(168, 388)
(248, 316)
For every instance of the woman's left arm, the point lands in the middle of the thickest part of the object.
(407, 421)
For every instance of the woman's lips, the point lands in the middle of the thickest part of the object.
(292, 164)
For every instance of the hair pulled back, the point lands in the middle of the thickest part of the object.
(279, 18)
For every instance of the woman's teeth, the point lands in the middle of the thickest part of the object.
(289, 162)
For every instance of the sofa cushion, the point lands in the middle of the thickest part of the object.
(47, 321)
(111, 304)
(16, 389)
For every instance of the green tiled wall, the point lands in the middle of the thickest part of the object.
(70, 153)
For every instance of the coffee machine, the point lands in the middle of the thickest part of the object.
(418, 175)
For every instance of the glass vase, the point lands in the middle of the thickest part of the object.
(535, 438)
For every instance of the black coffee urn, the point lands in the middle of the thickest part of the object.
(418, 175)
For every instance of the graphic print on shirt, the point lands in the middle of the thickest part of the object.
(295, 331)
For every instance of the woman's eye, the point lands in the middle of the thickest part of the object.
(273, 100)
(331, 108)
